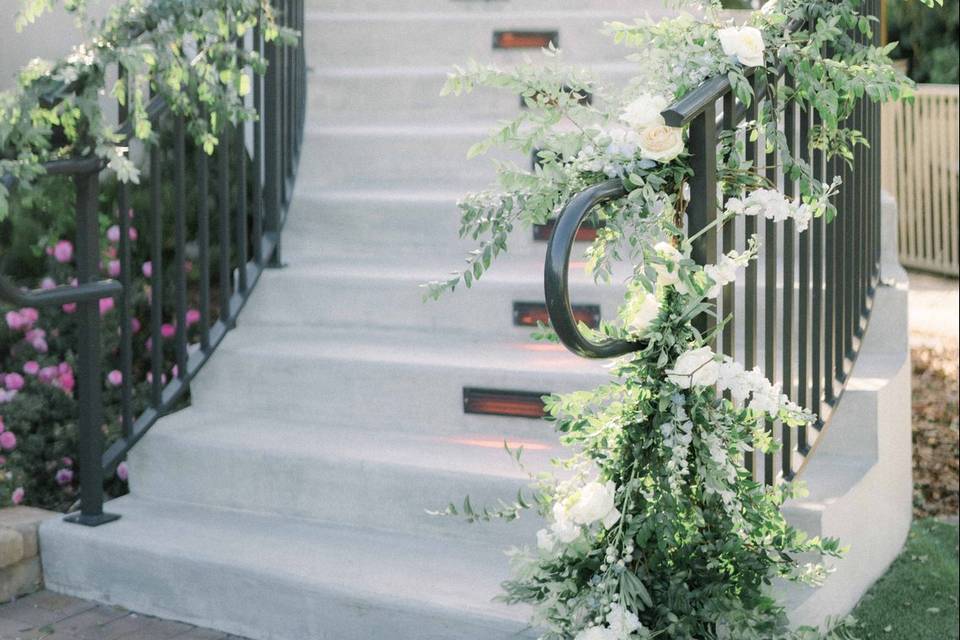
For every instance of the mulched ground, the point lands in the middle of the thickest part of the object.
(936, 445)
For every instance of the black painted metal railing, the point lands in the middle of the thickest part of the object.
(804, 304)
(226, 213)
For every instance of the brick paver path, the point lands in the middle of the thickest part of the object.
(51, 616)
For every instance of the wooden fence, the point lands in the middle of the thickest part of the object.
(921, 169)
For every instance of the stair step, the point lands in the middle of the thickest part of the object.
(354, 39)
(353, 95)
(398, 156)
(379, 479)
(410, 380)
(359, 292)
(279, 578)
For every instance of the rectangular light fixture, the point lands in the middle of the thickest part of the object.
(525, 39)
(499, 402)
(528, 314)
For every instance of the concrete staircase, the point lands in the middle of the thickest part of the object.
(288, 502)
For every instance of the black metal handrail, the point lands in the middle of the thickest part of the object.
(254, 166)
(818, 286)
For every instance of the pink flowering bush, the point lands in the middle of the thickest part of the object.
(38, 347)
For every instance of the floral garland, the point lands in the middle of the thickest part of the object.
(655, 528)
(186, 53)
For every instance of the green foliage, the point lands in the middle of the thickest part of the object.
(656, 529)
(917, 598)
(928, 40)
(186, 53)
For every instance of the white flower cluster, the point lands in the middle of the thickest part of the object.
(725, 271)
(701, 368)
(772, 205)
(593, 502)
(620, 625)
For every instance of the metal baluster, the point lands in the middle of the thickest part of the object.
(702, 210)
(803, 298)
(180, 234)
(125, 311)
(156, 280)
(750, 229)
(241, 220)
(770, 283)
(729, 238)
(789, 239)
(203, 242)
(223, 239)
(258, 155)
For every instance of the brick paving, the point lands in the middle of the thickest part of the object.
(51, 616)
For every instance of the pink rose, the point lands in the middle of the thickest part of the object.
(8, 441)
(64, 477)
(48, 374)
(48, 283)
(17, 496)
(63, 251)
(15, 321)
(193, 317)
(132, 234)
(13, 381)
(31, 367)
(113, 234)
(70, 307)
(113, 268)
(106, 305)
(122, 471)
(115, 378)
(167, 330)
(134, 325)
(147, 269)
(29, 314)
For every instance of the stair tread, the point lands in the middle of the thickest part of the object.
(316, 559)
(466, 453)
(406, 346)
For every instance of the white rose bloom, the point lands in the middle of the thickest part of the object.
(743, 43)
(645, 111)
(622, 622)
(642, 309)
(545, 540)
(563, 529)
(695, 368)
(594, 502)
(722, 273)
(661, 143)
(597, 633)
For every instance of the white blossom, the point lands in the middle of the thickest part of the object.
(645, 111)
(592, 503)
(695, 368)
(743, 43)
(641, 310)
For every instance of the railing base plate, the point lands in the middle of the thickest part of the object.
(91, 521)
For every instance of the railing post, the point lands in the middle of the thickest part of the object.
(273, 160)
(89, 375)
(702, 208)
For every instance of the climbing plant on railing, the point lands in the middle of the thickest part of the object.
(656, 529)
(185, 52)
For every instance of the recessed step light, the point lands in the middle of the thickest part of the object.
(529, 314)
(499, 402)
(525, 39)
(586, 233)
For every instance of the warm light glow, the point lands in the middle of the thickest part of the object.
(494, 443)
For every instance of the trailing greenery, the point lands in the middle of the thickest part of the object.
(655, 528)
(186, 53)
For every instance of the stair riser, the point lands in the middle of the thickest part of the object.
(631, 8)
(440, 40)
(405, 396)
(391, 95)
(346, 491)
(210, 590)
(378, 159)
(313, 297)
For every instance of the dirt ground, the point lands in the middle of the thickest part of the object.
(935, 348)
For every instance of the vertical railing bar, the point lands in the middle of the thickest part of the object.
(223, 239)
(156, 277)
(241, 219)
(729, 235)
(258, 155)
(89, 375)
(770, 277)
(750, 229)
(203, 242)
(180, 237)
(803, 296)
(125, 311)
(789, 238)
(703, 211)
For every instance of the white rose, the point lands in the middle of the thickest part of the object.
(622, 622)
(695, 368)
(596, 633)
(661, 143)
(642, 309)
(563, 529)
(743, 43)
(645, 111)
(545, 540)
(594, 502)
